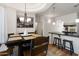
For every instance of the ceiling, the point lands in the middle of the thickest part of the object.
(45, 8)
(30, 7)
(61, 9)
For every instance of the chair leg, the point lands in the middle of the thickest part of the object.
(53, 42)
(58, 43)
(46, 50)
(63, 46)
(71, 49)
(31, 48)
(20, 51)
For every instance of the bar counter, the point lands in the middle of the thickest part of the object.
(72, 37)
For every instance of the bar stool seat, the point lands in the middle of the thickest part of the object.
(71, 49)
(57, 41)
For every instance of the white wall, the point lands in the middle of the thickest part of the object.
(49, 27)
(8, 23)
(11, 16)
(11, 20)
(39, 20)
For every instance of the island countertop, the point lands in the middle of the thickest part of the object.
(72, 35)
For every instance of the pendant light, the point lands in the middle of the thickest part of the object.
(25, 15)
(53, 23)
(25, 21)
(49, 21)
(76, 6)
(54, 16)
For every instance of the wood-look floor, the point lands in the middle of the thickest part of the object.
(55, 51)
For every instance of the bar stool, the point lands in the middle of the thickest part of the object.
(57, 41)
(71, 46)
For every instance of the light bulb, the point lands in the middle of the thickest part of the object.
(77, 20)
(22, 19)
(28, 19)
(49, 21)
(53, 23)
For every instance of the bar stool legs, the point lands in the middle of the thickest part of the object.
(71, 49)
(57, 41)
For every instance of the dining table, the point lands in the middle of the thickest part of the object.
(19, 40)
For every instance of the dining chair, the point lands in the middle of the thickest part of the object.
(31, 32)
(10, 46)
(39, 46)
(10, 34)
(24, 47)
(21, 33)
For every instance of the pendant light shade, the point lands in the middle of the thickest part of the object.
(77, 20)
(53, 23)
(49, 21)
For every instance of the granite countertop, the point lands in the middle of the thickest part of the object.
(56, 33)
(73, 35)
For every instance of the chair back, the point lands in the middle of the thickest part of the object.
(31, 33)
(39, 46)
(21, 33)
(10, 34)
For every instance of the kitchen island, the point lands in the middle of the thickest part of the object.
(72, 37)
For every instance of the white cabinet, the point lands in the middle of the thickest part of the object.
(75, 41)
